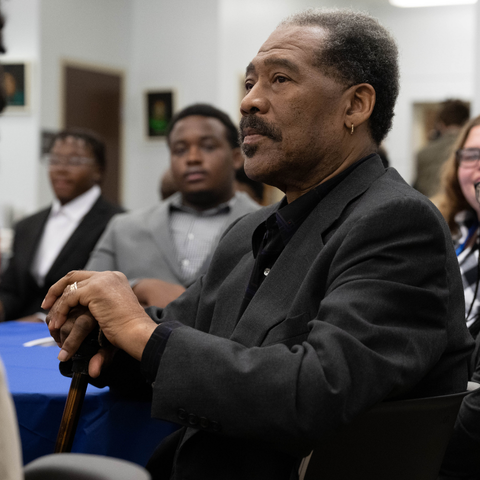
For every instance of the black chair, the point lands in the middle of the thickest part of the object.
(398, 440)
(77, 466)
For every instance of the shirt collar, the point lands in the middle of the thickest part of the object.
(77, 208)
(176, 204)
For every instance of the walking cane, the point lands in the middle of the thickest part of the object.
(76, 394)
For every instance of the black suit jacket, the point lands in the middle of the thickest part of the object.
(364, 304)
(19, 292)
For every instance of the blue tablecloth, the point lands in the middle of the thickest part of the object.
(108, 425)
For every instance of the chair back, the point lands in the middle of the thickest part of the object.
(78, 466)
(397, 440)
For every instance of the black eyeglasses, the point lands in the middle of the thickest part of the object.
(55, 161)
(468, 157)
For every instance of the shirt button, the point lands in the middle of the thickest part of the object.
(191, 236)
(186, 262)
(266, 271)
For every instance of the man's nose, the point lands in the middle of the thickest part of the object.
(194, 154)
(255, 101)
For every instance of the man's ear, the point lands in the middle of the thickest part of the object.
(361, 99)
(237, 158)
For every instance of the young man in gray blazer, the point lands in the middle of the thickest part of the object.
(171, 244)
(344, 294)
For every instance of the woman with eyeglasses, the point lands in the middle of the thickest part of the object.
(459, 206)
(459, 203)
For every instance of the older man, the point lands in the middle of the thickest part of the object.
(344, 294)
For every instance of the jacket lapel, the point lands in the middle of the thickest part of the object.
(88, 226)
(273, 301)
(158, 225)
(30, 242)
(230, 295)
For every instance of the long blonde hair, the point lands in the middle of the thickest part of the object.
(451, 199)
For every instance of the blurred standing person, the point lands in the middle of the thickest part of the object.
(450, 119)
(460, 207)
(50, 243)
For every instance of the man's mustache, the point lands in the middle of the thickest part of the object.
(260, 126)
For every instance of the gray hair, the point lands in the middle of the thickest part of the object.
(357, 49)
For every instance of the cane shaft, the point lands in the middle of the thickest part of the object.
(71, 413)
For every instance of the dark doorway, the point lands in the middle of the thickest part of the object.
(93, 100)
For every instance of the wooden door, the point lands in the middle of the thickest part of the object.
(92, 99)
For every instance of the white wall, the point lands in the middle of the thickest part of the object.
(90, 32)
(19, 141)
(175, 45)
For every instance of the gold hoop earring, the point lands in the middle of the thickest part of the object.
(353, 128)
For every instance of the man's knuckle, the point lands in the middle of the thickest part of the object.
(84, 323)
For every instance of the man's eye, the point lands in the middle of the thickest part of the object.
(248, 86)
(179, 151)
(280, 79)
(209, 146)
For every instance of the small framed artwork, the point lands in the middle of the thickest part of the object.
(159, 110)
(17, 86)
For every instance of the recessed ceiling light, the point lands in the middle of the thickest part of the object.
(429, 3)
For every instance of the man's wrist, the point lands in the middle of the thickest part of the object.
(138, 337)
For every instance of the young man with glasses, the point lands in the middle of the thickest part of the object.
(60, 238)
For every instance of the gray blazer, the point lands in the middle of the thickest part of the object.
(139, 244)
(364, 304)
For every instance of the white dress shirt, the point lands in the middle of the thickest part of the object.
(61, 223)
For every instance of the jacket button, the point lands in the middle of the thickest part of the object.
(204, 423)
(182, 414)
(192, 419)
(215, 426)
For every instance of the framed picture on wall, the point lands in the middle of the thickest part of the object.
(159, 112)
(17, 86)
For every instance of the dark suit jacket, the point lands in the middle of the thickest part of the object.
(19, 292)
(364, 304)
